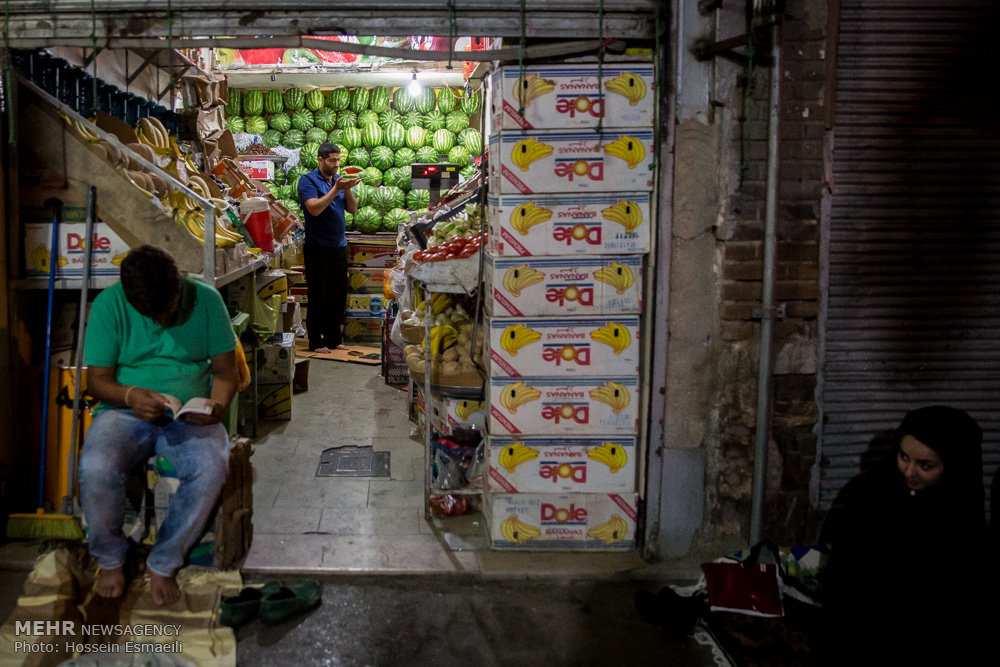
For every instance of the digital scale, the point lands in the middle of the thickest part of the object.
(434, 177)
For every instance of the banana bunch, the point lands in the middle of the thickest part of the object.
(625, 213)
(41, 256)
(614, 394)
(440, 302)
(151, 132)
(80, 128)
(610, 454)
(517, 336)
(611, 531)
(357, 280)
(517, 394)
(353, 329)
(627, 148)
(629, 86)
(443, 336)
(465, 408)
(531, 86)
(190, 216)
(617, 275)
(614, 335)
(515, 454)
(528, 150)
(517, 531)
(527, 215)
(518, 277)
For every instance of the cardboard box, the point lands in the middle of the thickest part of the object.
(237, 293)
(553, 406)
(550, 161)
(562, 286)
(562, 521)
(447, 412)
(569, 96)
(581, 224)
(300, 382)
(274, 401)
(291, 315)
(372, 255)
(365, 281)
(363, 331)
(366, 305)
(271, 282)
(275, 360)
(552, 347)
(260, 169)
(544, 465)
(108, 249)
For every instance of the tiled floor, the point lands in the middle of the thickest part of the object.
(304, 523)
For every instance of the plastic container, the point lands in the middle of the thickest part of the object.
(255, 213)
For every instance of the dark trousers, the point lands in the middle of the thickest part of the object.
(326, 278)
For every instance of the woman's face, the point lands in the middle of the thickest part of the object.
(920, 465)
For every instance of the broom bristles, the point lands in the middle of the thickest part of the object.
(41, 525)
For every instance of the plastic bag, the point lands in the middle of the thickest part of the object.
(396, 333)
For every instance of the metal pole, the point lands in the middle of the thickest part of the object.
(763, 431)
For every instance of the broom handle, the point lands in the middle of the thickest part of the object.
(53, 261)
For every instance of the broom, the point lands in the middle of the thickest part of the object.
(40, 524)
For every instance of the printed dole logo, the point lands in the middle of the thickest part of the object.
(579, 354)
(556, 412)
(589, 234)
(582, 294)
(576, 472)
(570, 168)
(571, 514)
(77, 242)
(580, 104)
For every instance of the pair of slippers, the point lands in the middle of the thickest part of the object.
(274, 602)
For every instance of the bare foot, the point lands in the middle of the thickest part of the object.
(111, 583)
(342, 347)
(164, 589)
(322, 350)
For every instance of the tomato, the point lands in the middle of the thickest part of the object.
(468, 251)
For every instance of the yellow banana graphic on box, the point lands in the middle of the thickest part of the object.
(465, 408)
(527, 151)
(628, 85)
(515, 454)
(530, 86)
(617, 275)
(516, 278)
(40, 258)
(625, 213)
(614, 394)
(517, 394)
(517, 336)
(119, 258)
(517, 531)
(352, 329)
(614, 335)
(362, 257)
(357, 280)
(527, 215)
(610, 454)
(627, 148)
(613, 530)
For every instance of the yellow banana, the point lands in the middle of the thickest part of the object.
(531, 86)
(613, 530)
(515, 454)
(615, 335)
(516, 278)
(517, 394)
(517, 336)
(626, 213)
(443, 336)
(617, 275)
(610, 454)
(465, 408)
(628, 85)
(626, 148)
(439, 303)
(527, 151)
(527, 215)
(515, 530)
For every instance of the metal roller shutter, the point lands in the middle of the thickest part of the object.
(913, 301)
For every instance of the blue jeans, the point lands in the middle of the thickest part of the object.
(118, 441)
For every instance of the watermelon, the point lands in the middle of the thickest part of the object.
(279, 175)
(412, 119)
(446, 100)
(405, 178)
(273, 101)
(471, 104)
(271, 138)
(253, 103)
(425, 101)
(280, 122)
(388, 117)
(348, 222)
(325, 119)
(302, 119)
(378, 101)
(472, 139)
(394, 218)
(456, 121)
(293, 138)
(234, 124)
(315, 135)
(372, 135)
(404, 157)
(351, 137)
(391, 176)
(336, 137)
(346, 119)
(367, 220)
(233, 103)
(362, 193)
(381, 199)
(396, 197)
(382, 157)
(296, 172)
(415, 137)
(443, 141)
(468, 171)
(291, 204)
(314, 99)
(359, 157)
(309, 155)
(418, 199)
(395, 136)
(372, 176)
(402, 101)
(294, 99)
(359, 99)
(255, 125)
(427, 155)
(367, 117)
(285, 191)
(340, 99)
(434, 120)
(459, 155)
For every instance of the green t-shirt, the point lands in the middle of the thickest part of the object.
(171, 359)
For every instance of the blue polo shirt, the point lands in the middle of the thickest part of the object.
(325, 230)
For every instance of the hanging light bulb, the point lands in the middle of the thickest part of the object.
(414, 89)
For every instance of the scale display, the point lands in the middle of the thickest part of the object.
(434, 176)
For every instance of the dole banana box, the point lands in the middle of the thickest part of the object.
(274, 362)
(580, 286)
(448, 412)
(364, 281)
(371, 254)
(363, 330)
(366, 305)
(107, 249)
(562, 346)
(274, 401)
(271, 282)
(612, 223)
(564, 406)
(562, 521)
(546, 465)
(573, 96)
(551, 161)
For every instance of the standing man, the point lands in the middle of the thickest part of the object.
(325, 196)
(152, 334)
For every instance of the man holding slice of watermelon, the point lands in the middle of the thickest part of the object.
(325, 197)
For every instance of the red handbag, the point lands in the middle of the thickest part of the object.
(745, 587)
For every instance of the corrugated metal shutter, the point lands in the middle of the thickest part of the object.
(914, 263)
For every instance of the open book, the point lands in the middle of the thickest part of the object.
(196, 406)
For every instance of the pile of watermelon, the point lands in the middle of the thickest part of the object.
(379, 129)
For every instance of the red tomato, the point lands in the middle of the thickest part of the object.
(468, 251)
